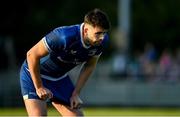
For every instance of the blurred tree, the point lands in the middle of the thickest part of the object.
(156, 21)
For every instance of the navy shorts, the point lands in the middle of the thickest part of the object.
(62, 89)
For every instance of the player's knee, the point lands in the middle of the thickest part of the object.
(77, 113)
(73, 112)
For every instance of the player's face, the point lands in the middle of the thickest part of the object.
(94, 35)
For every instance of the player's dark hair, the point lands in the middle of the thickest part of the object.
(98, 18)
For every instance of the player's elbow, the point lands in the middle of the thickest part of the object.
(30, 55)
(91, 67)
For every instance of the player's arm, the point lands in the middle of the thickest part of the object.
(33, 58)
(86, 71)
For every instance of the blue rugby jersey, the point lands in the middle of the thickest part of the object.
(66, 50)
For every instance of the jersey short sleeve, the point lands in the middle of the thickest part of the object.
(54, 41)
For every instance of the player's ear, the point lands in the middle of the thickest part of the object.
(85, 29)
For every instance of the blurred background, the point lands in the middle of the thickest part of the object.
(140, 67)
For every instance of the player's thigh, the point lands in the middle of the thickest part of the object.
(67, 111)
(36, 107)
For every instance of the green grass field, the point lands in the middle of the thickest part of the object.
(103, 111)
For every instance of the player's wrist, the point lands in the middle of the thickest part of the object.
(75, 93)
(37, 87)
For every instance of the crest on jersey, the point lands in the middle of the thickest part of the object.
(92, 52)
(73, 52)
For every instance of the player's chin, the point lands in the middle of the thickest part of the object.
(97, 43)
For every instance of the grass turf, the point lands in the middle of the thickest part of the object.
(103, 111)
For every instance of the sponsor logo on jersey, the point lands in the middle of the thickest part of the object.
(76, 61)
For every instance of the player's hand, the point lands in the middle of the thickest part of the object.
(44, 93)
(76, 102)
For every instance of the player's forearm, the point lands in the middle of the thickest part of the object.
(86, 71)
(33, 64)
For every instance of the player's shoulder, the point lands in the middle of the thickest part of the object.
(67, 31)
